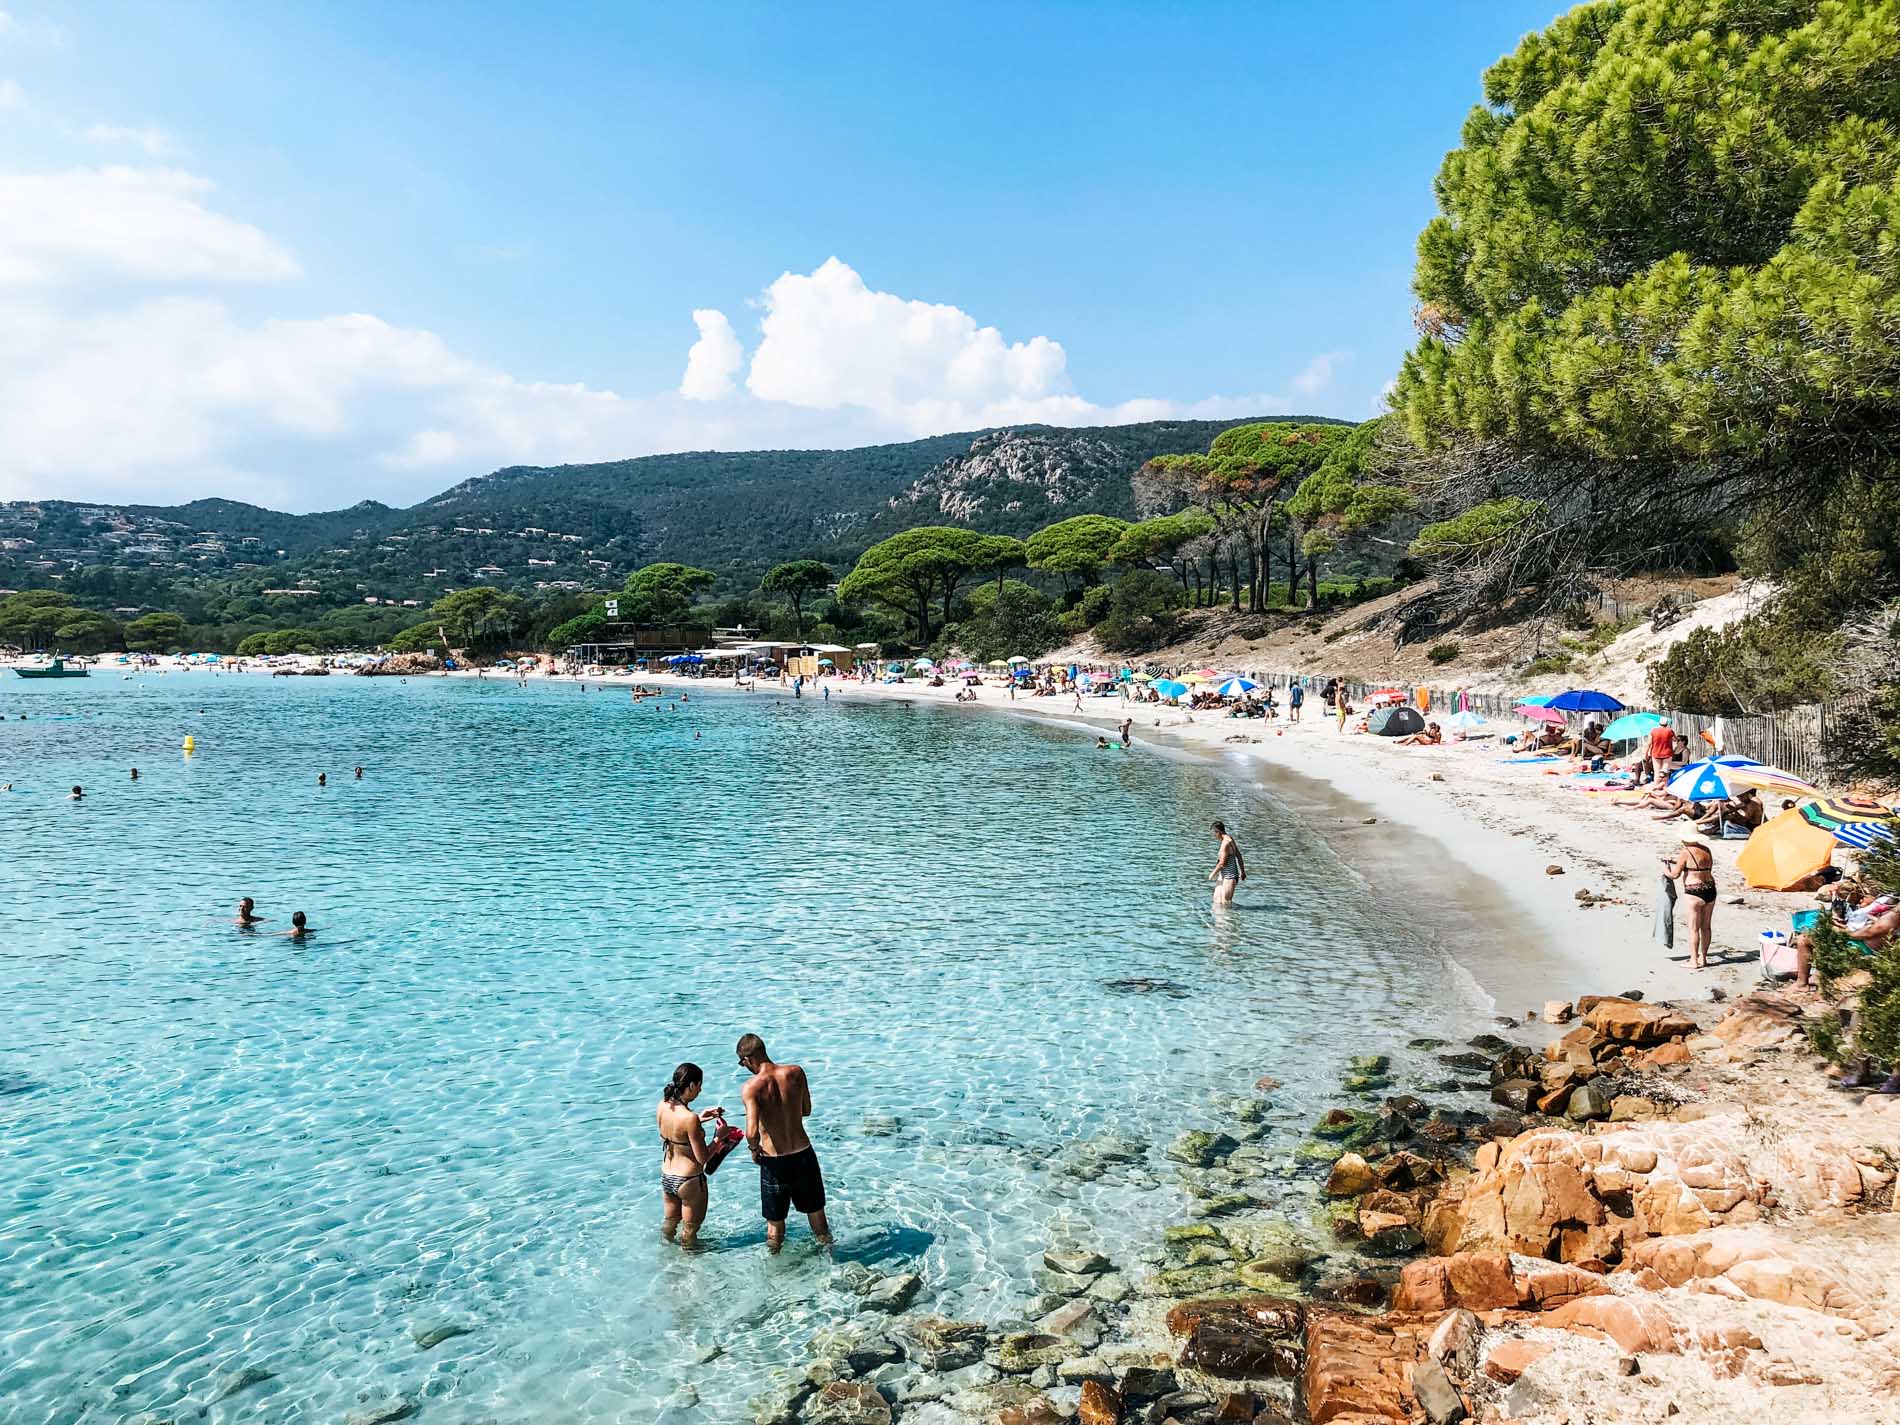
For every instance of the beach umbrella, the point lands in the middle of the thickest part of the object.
(923, 663)
(1210, 673)
(826, 663)
(1853, 821)
(1770, 779)
(1466, 721)
(1168, 688)
(1234, 687)
(1142, 677)
(1197, 677)
(1537, 713)
(1707, 780)
(1631, 726)
(1017, 658)
(1584, 700)
(1542, 702)
(1784, 851)
(998, 663)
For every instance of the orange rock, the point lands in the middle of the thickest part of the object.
(1757, 1021)
(1510, 1358)
(1637, 1326)
(1664, 1056)
(1625, 1021)
(1100, 1405)
(1360, 1367)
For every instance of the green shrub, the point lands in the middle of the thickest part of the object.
(1549, 663)
(1446, 652)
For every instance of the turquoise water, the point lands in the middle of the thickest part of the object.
(223, 1152)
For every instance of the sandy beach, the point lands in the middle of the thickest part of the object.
(1506, 823)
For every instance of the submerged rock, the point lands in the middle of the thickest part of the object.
(1144, 985)
(845, 1402)
(382, 1412)
(1023, 1352)
(1075, 1261)
(241, 1380)
(1200, 1148)
(427, 1338)
(892, 1293)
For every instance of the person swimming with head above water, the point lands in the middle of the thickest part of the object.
(247, 916)
(299, 927)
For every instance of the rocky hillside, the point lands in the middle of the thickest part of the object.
(735, 513)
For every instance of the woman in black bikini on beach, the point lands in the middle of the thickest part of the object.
(1694, 866)
(685, 1155)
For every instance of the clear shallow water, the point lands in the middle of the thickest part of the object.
(220, 1151)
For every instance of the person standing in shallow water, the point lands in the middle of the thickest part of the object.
(684, 1155)
(1230, 867)
(777, 1102)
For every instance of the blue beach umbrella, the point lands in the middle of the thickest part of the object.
(1704, 781)
(1584, 700)
(1168, 688)
(1542, 702)
(1631, 726)
(1234, 687)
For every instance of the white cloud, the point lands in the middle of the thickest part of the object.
(12, 96)
(713, 360)
(122, 375)
(1317, 374)
(156, 142)
(141, 223)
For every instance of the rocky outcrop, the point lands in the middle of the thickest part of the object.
(1485, 1281)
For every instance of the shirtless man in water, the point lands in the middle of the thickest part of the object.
(777, 1102)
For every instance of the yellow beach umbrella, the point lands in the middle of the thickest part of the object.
(1783, 851)
(1195, 678)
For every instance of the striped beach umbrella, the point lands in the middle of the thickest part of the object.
(1854, 821)
(1707, 780)
(1235, 687)
(1771, 779)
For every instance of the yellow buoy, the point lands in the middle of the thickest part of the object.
(191, 743)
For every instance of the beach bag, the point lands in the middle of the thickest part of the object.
(1778, 957)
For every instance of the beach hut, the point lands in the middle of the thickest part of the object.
(1400, 720)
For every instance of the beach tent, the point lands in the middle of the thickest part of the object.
(1399, 721)
(1784, 851)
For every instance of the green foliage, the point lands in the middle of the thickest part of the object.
(1141, 612)
(88, 631)
(1160, 538)
(417, 638)
(1078, 546)
(662, 593)
(1346, 496)
(797, 580)
(578, 629)
(1478, 533)
(1445, 652)
(1549, 663)
(1758, 664)
(1005, 619)
(281, 641)
(908, 571)
(31, 617)
(481, 620)
(156, 633)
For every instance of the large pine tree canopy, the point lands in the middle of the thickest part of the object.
(1667, 240)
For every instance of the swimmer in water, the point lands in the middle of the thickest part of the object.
(78, 793)
(1101, 744)
(323, 779)
(247, 916)
(135, 774)
(359, 774)
(299, 927)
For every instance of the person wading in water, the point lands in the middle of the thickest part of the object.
(777, 1102)
(1230, 867)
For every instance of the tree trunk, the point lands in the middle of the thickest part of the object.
(1312, 581)
(1266, 564)
(1233, 568)
(1253, 579)
(1292, 567)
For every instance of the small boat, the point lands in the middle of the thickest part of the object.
(58, 668)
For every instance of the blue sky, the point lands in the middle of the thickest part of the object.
(308, 254)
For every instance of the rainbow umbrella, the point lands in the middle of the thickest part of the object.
(1770, 779)
(1852, 821)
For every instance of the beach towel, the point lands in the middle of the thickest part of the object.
(1528, 760)
(1666, 913)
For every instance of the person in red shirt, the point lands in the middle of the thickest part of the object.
(1661, 756)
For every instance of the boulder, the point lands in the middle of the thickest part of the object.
(1075, 1320)
(1338, 1122)
(1022, 1352)
(1200, 1148)
(1437, 1396)
(1626, 1021)
(1558, 1011)
(1075, 1261)
(1757, 1022)
(1518, 1095)
(1275, 1316)
(1508, 1359)
(1227, 1353)
(1351, 1176)
(1100, 1404)
(1486, 1281)
(892, 1293)
(845, 1402)
(1359, 1368)
(1366, 1289)
(1642, 1325)
(1588, 1103)
(1454, 1342)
